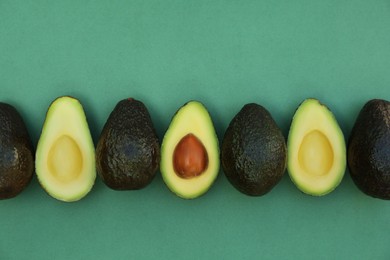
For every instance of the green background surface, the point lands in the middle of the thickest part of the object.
(225, 54)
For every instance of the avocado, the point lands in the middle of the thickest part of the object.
(128, 150)
(316, 149)
(190, 152)
(65, 156)
(253, 152)
(16, 153)
(369, 149)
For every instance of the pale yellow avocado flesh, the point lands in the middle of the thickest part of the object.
(192, 118)
(69, 169)
(315, 154)
(316, 149)
(65, 157)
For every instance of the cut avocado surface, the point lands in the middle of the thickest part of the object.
(65, 156)
(190, 152)
(316, 149)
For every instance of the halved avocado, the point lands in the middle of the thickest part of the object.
(316, 149)
(65, 156)
(190, 152)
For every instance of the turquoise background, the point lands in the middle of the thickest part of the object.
(225, 54)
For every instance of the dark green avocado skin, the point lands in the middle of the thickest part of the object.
(254, 152)
(16, 153)
(128, 150)
(369, 149)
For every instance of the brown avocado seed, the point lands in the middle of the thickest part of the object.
(190, 157)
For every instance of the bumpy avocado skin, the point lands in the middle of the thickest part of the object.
(253, 151)
(16, 153)
(128, 151)
(369, 149)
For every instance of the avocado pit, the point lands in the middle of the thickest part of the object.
(190, 158)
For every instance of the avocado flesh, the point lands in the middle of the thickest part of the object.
(368, 149)
(16, 153)
(192, 118)
(128, 151)
(65, 156)
(253, 152)
(316, 149)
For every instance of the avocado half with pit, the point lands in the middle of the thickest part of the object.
(316, 149)
(190, 152)
(65, 156)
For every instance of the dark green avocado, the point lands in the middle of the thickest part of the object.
(16, 153)
(369, 149)
(128, 151)
(253, 151)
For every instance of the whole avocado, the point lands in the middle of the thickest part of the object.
(16, 153)
(369, 149)
(253, 151)
(128, 151)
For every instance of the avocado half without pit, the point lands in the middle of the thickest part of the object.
(190, 152)
(369, 149)
(65, 156)
(316, 149)
(253, 151)
(16, 153)
(128, 151)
